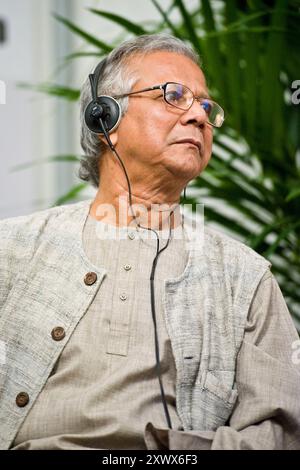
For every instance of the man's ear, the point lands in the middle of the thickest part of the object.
(113, 137)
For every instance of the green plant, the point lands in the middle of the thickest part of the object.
(250, 54)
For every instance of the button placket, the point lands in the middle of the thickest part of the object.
(123, 298)
(118, 336)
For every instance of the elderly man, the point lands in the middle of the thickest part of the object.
(123, 326)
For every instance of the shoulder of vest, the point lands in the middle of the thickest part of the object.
(32, 224)
(226, 247)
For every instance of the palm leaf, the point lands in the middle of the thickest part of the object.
(56, 158)
(188, 25)
(295, 193)
(233, 66)
(86, 36)
(166, 19)
(270, 96)
(70, 195)
(125, 23)
(75, 55)
(69, 94)
(211, 46)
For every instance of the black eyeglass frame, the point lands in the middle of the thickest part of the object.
(163, 88)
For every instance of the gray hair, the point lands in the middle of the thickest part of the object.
(118, 79)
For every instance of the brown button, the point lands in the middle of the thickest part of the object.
(58, 333)
(90, 278)
(22, 399)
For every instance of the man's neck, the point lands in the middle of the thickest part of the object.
(150, 215)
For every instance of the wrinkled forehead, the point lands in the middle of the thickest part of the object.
(158, 67)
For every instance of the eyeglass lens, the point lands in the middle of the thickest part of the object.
(182, 97)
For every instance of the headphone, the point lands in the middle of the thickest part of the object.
(102, 115)
(103, 112)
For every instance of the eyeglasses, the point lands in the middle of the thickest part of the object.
(182, 97)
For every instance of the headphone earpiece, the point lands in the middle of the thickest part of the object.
(102, 109)
(106, 108)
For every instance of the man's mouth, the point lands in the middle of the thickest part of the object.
(194, 142)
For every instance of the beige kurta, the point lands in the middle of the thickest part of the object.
(104, 388)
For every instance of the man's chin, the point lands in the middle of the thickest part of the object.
(189, 167)
(184, 172)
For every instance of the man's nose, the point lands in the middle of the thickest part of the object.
(194, 115)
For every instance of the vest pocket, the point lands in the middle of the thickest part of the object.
(213, 399)
(218, 387)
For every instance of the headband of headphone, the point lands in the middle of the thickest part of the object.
(103, 109)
